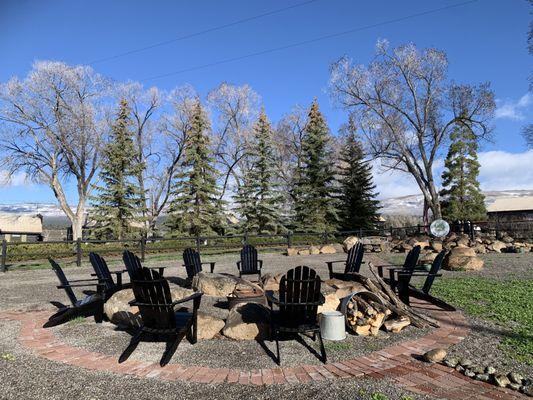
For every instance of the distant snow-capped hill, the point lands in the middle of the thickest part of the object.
(45, 209)
(413, 204)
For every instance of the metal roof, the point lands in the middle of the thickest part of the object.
(524, 203)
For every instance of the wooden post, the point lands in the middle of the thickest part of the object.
(78, 252)
(143, 247)
(289, 239)
(245, 237)
(198, 243)
(4, 255)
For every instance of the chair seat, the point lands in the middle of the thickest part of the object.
(342, 276)
(292, 326)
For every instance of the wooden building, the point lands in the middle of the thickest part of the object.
(511, 209)
(21, 228)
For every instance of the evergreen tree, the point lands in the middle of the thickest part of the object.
(314, 194)
(258, 199)
(195, 208)
(463, 199)
(357, 200)
(118, 200)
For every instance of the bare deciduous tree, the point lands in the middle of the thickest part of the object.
(235, 109)
(406, 107)
(52, 127)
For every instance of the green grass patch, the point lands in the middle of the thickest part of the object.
(508, 303)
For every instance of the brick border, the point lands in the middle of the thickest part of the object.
(396, 362)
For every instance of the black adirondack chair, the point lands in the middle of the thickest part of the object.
(160, 320)
(133, 264)
(249, 264)
(90, 306)
(409, 265)
(405, 289)
(298, 300)
(101, 270)
(352, 264)
(193, 263)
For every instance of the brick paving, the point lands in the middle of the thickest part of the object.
(398, 363)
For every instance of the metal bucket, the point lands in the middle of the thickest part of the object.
(332, 325)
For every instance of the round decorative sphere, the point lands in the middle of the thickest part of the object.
(439, 228)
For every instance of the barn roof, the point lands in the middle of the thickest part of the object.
(524, 203)
(21, 223)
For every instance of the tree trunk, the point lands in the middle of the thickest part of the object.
(77, 224)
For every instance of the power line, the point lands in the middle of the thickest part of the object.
(199, 33)
(309, 41)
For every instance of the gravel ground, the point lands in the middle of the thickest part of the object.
(30, 377)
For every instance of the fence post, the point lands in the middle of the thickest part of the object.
(4, 255)
(360, 232)
(289, 239)
(143, 247)
(198, 243)
(325, 237)
(78, 252)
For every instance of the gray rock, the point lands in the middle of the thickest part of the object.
(490, 370)
(501, 380)
(465, 362)
(451, 362)
(514, 386)
(515, 377)
(459, 368)
(527, 389)
(435, 355)
(477, 369)
(483, 377)
(469, 373)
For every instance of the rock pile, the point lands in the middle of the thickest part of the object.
(511, 380)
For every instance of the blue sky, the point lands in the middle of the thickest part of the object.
(485, 41)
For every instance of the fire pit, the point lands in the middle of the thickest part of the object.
(246, 295)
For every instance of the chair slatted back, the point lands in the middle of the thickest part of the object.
(299, 291)
(249, 259)
(435, 267)
(63, 281)
(412, 258)
(102, 270)
(354, 258)
(192, 262)
(132, 262)
(153, 291)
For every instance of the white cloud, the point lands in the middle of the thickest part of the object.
(18, 179)
(500, 170)
(513, 109)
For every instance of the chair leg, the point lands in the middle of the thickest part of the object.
(278, 358)
(170, 350)
(322, 348)
(99, 314)
(131, 347)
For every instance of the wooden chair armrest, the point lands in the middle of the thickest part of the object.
(81, 285)
(211, 264)
(336, 261)
(418, 274)
(84, 280)
(193, 296)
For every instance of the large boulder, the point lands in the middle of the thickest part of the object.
(217, 285)
(436, 245)
(328, 249)
(344, 288)
(497, 246)
(427, 259)
(292, 251)
(248, 321)
(462, 259)
(350, 242)
(208, 326)
(118, 310)
(271, 282)
(314, 250)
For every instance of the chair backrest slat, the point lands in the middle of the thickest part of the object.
(410, 263)
(132, 262)
(435, 267)
(102, 270)
(154, 291)
(249, 262)
(63, 281)
(299, 290)
(192, 262)
(354, 258)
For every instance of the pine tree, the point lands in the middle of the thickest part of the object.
(258, 198)
(195, 208)
(462, 196)
(314, 194)
(357, 200)
(118, 201)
